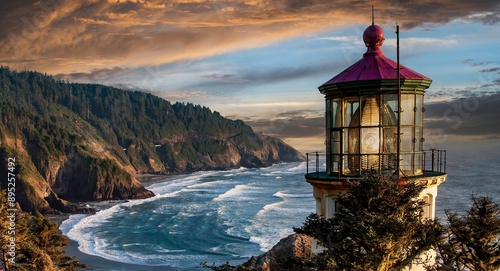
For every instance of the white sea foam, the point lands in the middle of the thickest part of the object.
(284, 195)
(69, 223)
(300, 168)
(238, 193)
(234, 189)
(269, 237)
(81, 230)
(203, 186)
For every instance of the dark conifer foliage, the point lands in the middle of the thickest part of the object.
(472, 240)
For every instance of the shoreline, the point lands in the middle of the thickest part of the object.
(96, 263)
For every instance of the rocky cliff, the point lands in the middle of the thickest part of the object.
(85, 142)
(292, 246)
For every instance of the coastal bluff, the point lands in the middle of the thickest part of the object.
(87, 142)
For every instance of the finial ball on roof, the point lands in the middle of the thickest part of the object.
(373, 37)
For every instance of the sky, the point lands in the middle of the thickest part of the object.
(262, 61)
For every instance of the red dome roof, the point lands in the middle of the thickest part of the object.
(374, 65)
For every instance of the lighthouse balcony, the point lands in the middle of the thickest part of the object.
(325, 167)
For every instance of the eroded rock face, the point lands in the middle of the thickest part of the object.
(292, 246)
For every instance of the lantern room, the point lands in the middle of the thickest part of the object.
(363, 123)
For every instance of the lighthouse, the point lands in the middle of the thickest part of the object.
(374, 122)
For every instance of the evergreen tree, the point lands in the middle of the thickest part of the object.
(4, 231)
(472, 241)
(38, 243)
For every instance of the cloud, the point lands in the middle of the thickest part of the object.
(476, 115)
(290, 128)
(244, 78)
(228, 78)
(474, 63)
(180, 95)
(95, 75)
(138, 33)
(495, 69)
(489, 18)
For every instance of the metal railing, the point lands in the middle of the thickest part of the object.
(433, 161)
(318, 159)
(436, 160)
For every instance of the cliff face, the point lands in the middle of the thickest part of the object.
(82, 142)
(292, 246)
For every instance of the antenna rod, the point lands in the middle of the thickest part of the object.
(398, 168)
(373, 16)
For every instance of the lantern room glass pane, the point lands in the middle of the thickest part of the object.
(407, 139)
(389, 109)
(345, 148)
(418, 138)
(389, 140)
(351, 105)
(408, 106)
(328, 113)
(406, 163)
(419, 106)
(370, 140)
(369, 162)
(352, 164)
(336, 142)
(370, 111)
(417, 161)
(336, 113)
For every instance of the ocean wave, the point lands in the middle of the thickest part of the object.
(235, 206)
(211, 184)
(82, 231)
(283, 195)
(69, 223)
(239, 193)
(300, 168)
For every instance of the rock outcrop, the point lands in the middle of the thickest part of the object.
(292, 246)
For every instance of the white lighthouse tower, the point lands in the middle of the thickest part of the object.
(374, 121)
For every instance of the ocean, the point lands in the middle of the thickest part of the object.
(219, 216)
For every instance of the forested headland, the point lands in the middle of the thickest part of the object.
(86, 142)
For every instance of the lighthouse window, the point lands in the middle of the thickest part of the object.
(318, 206)
(330, 207)
(428, 206)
